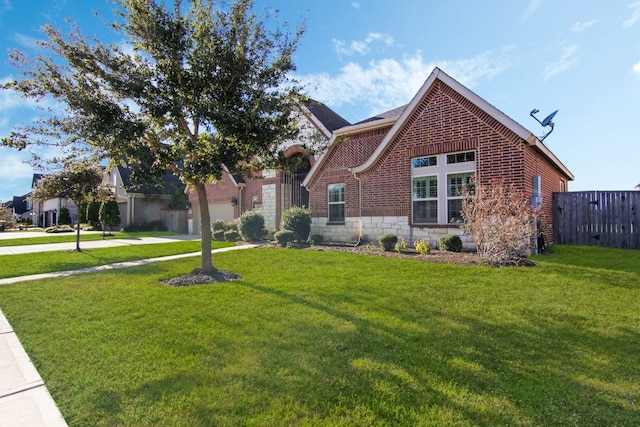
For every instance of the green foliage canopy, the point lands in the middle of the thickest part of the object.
(194, 88)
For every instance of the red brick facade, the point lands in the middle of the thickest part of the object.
(443, 120)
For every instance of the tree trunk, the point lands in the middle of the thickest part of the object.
(78, 236)
(205, 227)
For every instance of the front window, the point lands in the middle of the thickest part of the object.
(336, 202)
(439, 184)
(425, 200)
(459, 186)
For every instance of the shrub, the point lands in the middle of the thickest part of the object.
(501, 222)
(316, 239)
(388, 241)
(422, 247)
(402, 246)
(231, 236)
(284, 237)
(217, 224)
(218, 235)
(64, 218)
(450, 242)
(297, 220)
(59, 229)
(252, 226)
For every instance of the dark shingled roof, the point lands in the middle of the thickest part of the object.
(329, 118)
(396, 112)
(20, 204)
(168, 185)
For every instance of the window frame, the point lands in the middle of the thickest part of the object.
(468, 185)
(335, 203)
(445, 165)
(427, 200)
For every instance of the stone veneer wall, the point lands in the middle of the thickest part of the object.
(374, 227)
(268, 209)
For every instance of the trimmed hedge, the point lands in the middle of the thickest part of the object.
(450, 242)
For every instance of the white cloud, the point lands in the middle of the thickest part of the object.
(566, 61)
(635, 14)
(13, 166)
(531, 9)
(389, 83)
(25, 41)
(361, 46)
(636, 68)
(581, 26)
(355, 5)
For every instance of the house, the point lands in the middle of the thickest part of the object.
(46, 213)
(275, 191)
(162, 205)
(405, 171)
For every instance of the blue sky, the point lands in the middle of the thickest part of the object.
(368, 56)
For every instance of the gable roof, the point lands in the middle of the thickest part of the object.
(324, 117)
(406, 111)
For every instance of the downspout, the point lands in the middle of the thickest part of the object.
(240, 188)
(359, 207)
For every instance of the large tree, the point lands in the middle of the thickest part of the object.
(193, 87)
(78, 182)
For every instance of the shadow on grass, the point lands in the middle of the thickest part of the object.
(299, 359)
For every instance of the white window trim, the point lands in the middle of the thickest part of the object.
(330, 203)
(442, 170)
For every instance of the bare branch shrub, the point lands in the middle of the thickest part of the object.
(501, 222)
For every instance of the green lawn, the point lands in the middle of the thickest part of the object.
(42, 237)
(321, 338)
(46, 262)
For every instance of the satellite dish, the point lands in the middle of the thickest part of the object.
(546, 122)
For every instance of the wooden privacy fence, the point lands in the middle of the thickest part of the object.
(602, 218)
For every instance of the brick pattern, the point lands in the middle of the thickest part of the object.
(444, 122)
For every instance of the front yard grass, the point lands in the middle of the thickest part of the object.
(321, 338)
(40, 237)
(46, 262)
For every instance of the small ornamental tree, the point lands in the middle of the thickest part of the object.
(78, 182)
(501, 222)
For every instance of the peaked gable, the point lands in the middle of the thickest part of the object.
(484, 107)
(400, 118)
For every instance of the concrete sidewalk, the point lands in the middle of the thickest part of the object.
(24, 398)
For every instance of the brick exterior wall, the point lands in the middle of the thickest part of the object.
(443, 122)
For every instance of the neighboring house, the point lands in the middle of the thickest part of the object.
(142, 205)
(274, 191)
(45, 214)
(405, 172)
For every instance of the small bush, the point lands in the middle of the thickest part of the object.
(388, 241)
(402, 246)
(252, 226)
(231, 236)
(217, 224)
(297, 220)
(59, 229)
(450, 242)
(284, 237)
(422, 247)
(316, 239)
(218, 235)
